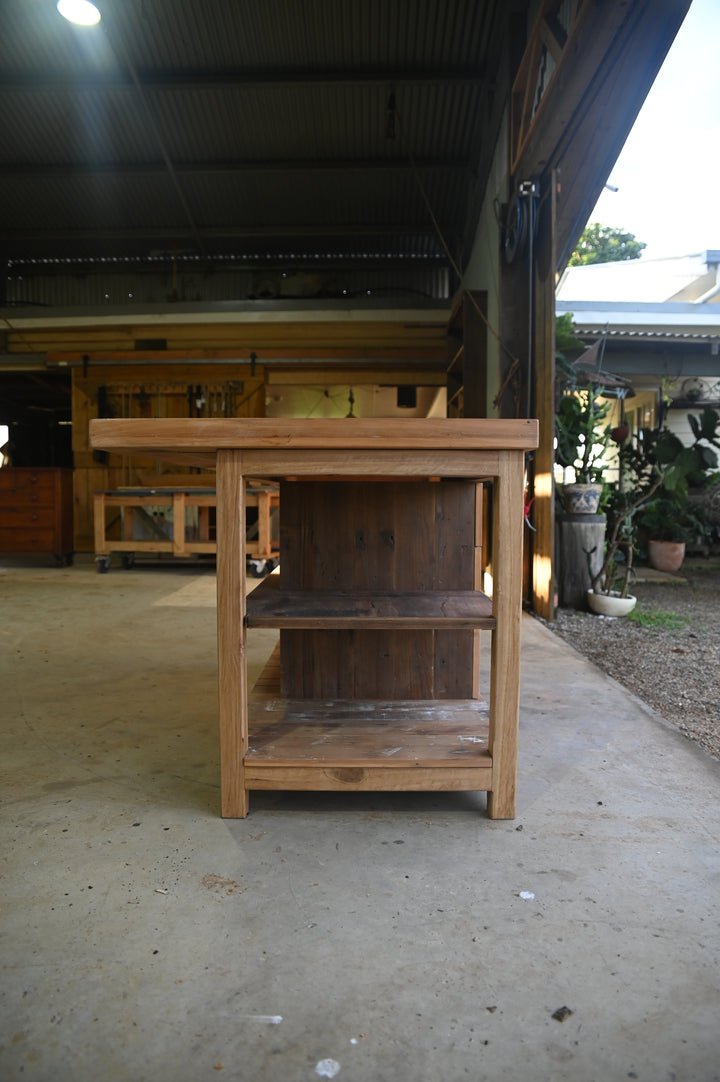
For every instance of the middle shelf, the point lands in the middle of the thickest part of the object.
(273, 605)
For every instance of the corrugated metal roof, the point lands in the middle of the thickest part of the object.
(315, 34)
(671, 278)
(134, 288)
(630, 315)
(205, 126)
(650, 336)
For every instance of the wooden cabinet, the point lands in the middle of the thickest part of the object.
(374, 685)
(36, 511)
(376, 596)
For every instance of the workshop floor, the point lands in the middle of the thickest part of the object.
(372, 937)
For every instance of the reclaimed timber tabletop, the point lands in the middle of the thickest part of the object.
(171, 436)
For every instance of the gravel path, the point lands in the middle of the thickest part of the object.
(673, 662)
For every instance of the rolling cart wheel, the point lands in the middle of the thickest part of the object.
(128, 560)
(103, 564)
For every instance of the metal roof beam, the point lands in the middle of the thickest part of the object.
(345, 231)
(41, 171)
(228, 79)
(108, 251)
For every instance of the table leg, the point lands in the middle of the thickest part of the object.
(232, 667)
(203, 524)
(477, 581)
(505, 657)
(128, 522)
(99, 523)
(264, 549)
(179, 524)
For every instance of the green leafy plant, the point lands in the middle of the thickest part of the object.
(566, 339)
(666, 519)
(670, 516)
(616, 572)
(689, 466)
(644, 497)
(641, 477)
(582, 441)
(582, 438)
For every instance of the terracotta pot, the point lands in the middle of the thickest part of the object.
(610, 604)
(582, 499)
(666, 555)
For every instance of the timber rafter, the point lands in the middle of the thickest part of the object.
(550, 41)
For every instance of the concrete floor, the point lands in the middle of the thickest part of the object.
(366, 936)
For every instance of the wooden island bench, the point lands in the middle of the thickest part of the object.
(378, 602)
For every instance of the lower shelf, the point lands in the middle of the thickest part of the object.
(366, 745)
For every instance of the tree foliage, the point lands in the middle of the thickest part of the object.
(565, 334)
(605, 244)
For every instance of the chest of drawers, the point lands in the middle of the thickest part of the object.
(36, 511)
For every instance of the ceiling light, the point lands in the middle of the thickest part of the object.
(79, 11)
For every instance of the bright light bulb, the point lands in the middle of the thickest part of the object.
(79, 11)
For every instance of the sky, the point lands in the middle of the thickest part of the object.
(668, 173)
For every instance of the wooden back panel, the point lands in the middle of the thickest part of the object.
(381, 535)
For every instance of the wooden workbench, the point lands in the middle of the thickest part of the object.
(132, 504)
(336, 710)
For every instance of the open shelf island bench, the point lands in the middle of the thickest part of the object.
(375, 685)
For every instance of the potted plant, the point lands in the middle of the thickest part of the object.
(670, 519)
(582, 443)
(669, 527)
(656, 470)
(610, 594)
(583, 439)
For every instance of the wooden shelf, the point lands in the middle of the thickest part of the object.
(698, 404)
(353, 744)
(272, 605)
(359, 732)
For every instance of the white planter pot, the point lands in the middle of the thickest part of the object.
(610, 604)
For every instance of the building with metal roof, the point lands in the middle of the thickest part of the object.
(308, 185)
(660, 318)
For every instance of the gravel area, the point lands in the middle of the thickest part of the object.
(668, 653)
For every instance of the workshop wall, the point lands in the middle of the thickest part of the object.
(152, 390)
